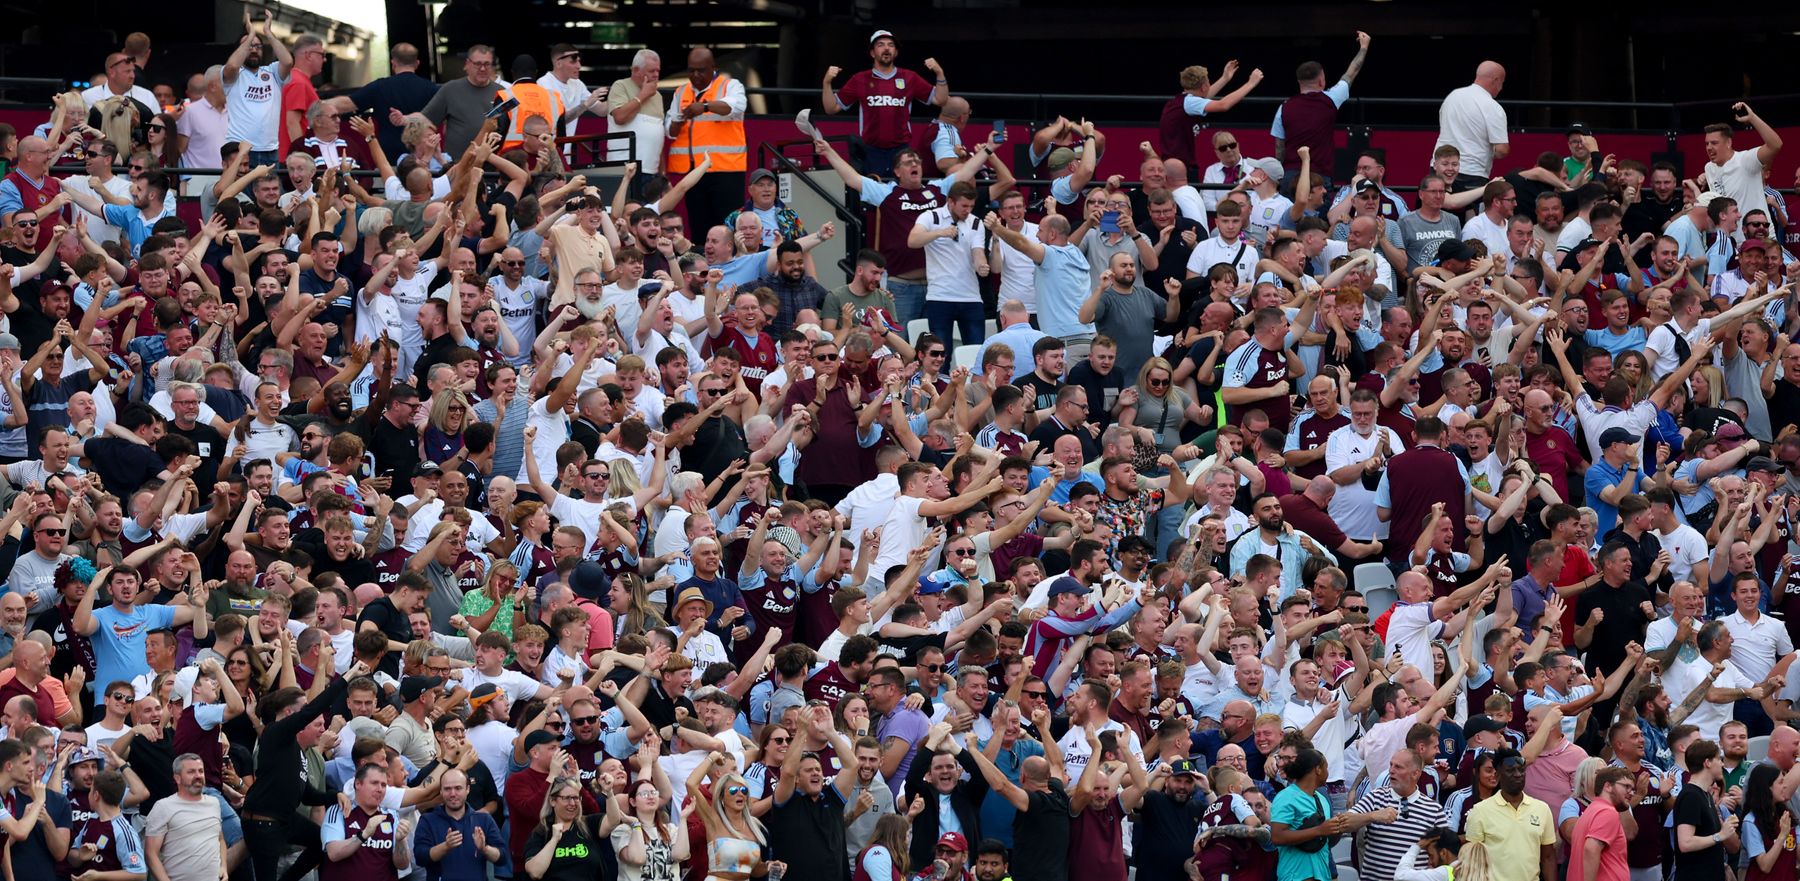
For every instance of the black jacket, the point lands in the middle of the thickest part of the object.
(965, 799)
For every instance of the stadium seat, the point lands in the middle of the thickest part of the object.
(993, 327)
(1380, 600)
(964, 356)
(1345, 872)
(1759, 748)
(1369, 576)
(915, 327)
(1340, 852)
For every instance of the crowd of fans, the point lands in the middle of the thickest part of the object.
(462, 521)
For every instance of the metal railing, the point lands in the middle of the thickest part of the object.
(853, 222)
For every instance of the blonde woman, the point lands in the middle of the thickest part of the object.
(885, 857)
(566, 843)
(1582, 795)
(1158, 407)
(425, 146)
(442, 432)
(735, 840)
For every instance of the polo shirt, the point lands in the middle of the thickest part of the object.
(1512, 835)
(1756, 646)
(1603, 474)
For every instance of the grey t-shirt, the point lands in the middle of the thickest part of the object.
(34, 577)
(462, 105)
(1130, 319)
(190, 835)
(1744, 378)
(1099, 253)
(1421, 237)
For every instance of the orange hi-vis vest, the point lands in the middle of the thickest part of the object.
(708, 133)
(534, 100)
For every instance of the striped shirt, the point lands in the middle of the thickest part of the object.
(1381, 845)
(1005, 441)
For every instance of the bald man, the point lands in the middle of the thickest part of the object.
(31, 669)
(1043, 808)
(1474, 123)
(947, 141)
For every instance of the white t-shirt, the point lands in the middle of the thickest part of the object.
(949, 268)
(264, 440)
(902, 531)
(119, 186)
(1353, 507)
(1662, 342)
(1472, 121)
(409, 296)
(1266, 215)
(1017, 273)
(1214, 250)
(1076, 751)
(552, 430)
(253, 107)
(1410, 631)
(1686, 546)
(378, 314)
(1480, 228)
(1741, 179)
(579, 513)
(493, 742)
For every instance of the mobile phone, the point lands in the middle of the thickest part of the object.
(1109, 221)
(999, 131)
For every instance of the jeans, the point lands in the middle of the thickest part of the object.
(229, 823)
(909, 300)
(268, 841)
(967, 317)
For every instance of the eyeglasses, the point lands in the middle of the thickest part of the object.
(457, 730)
(479, 65)
(598, 475)
(575, 796)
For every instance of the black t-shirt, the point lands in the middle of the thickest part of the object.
(1043, 389)
(211, 449)
(580, 854)
(396, 449)
(717, 442)
(391, 622)
(1623, 621)
(907, 648)
(808, 835)
(1044, 823)
(1708, 419)
(1164, 832)
(436, 351)
(1694, 807)
(1103, 393)
(123, 466)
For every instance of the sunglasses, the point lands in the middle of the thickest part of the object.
(512, 263)
(1158, 383)
(586, 720)
(780, 741)
(1357, 609)
(1040, 695)
(935, 353)
(964, 552)
(832, 356)
(737, 790)
(124, 698)
(931, 667)
(156, 128)
(597, 475)
(712, 392)
(1223, 147)
(53, 532)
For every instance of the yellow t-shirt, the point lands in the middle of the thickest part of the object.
(575, 251)
(1512, 836)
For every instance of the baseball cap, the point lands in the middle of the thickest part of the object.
(953, 841)
(1705, 199)
(760, 174)
(84, 754)
(1270, 166)
(1365, 185)
(538, 738)
(1761, 244)
(415, 686)
(483, 693)
(1184, 768)
(879, 34)
(930, 585)
(1729, 433)
(1480, 724)
(1764, 464)
(427, 468)
(1066, 584)
(1576, 128)
(1454, 249)
(1616, 435)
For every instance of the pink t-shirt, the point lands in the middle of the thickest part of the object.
(1551, 777)
(1599, 822)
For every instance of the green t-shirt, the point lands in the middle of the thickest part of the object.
(836, 300)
